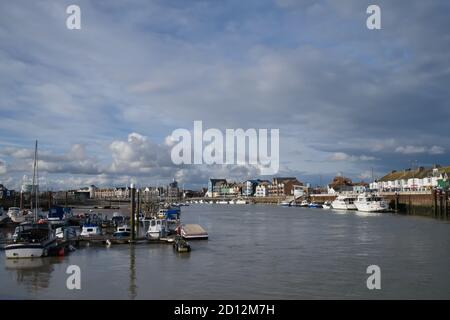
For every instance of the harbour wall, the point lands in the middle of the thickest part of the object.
(427, 203)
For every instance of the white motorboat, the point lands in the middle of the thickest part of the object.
(304, 203)
(241, 201)
(157, 229)
(371, 203)
(18, 216)
(89, 230)
(31, 240)
(326, 205)
(122, 231)
(344, 202)
(285, 203)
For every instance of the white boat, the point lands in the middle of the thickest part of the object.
(222, 202)
(16, 215)
(314, 205)
(344, 202)
(65, 232)
(89, 230)
(122, 231)
(157, 229)
(241, 201)
(326, 205)
(371, 203)
(285, 203)
(304, 203)
(31, 240)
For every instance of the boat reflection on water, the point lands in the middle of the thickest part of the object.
(34, 273)
(132, 288)
(368, 214)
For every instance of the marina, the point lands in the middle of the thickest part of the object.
(254, 252)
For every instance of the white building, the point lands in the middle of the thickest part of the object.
(420, 179)
(262, 190)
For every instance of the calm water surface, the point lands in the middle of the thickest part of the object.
(255, 252)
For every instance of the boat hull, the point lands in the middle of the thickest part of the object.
(27, 250)
(343, 206)
(372, 207)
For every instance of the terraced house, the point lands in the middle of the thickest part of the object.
(420, 179)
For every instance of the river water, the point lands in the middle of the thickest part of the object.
(255, 252)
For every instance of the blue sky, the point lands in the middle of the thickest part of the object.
(102, 100)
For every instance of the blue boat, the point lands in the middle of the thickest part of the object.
(58, 213)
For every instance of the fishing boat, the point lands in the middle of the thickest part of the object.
(117, 219)
(122, 231)
(344, 202)
(371, 203)
(157, 229)
(59, 214)
(31, 240)
(89, 230)
(181, 245)
(65, 232)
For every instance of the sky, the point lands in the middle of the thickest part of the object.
(103, 101)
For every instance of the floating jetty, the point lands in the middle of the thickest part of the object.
(193, 231)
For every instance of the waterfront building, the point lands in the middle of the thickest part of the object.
(214, 187)
(360, 187)
(173, 192)
(300, 191)
(5, 193)
(283, 186)
(420, 179)
(340, 184)
(105, 193)
(250, 187)
(262, 189)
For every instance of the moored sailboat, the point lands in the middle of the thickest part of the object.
(33, 239)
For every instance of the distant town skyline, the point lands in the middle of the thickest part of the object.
(103, 101)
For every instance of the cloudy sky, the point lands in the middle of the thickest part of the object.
(103, 100)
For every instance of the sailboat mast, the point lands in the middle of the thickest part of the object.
(34, 186)
(37, 180)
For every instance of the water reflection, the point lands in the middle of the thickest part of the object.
(35, 274)
(368, 214)
(132, 288)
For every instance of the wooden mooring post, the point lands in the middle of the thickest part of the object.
(435, 203)
(445, 203)
(138, 209)
(133, 209)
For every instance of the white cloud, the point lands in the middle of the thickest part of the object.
(342, 156)
(436, 150)
(410, 149)
(3, 169)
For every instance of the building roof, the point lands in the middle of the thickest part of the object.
(418, 173)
